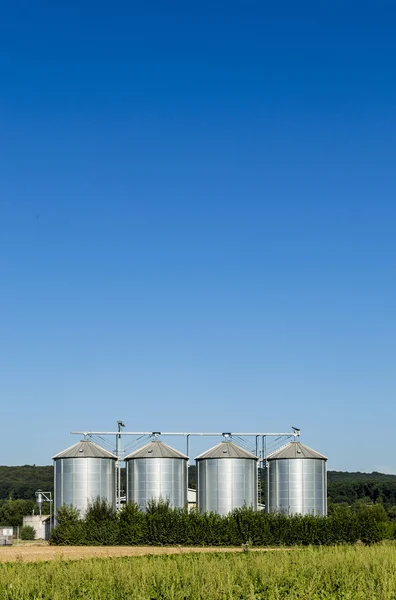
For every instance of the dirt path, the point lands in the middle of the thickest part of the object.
(34, 553)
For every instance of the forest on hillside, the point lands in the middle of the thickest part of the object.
(22, 482)
(350, 487)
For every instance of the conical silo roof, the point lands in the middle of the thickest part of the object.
(84, 449)
(156, 449)
(226, 449)
(295, 450)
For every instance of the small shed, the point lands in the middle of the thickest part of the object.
(40, 524)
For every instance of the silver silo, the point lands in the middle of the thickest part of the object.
(83, 473)
(226, 479)
(296, 481)
(157, 471)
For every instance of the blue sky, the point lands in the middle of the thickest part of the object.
(197, 223)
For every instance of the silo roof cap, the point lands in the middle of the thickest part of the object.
(84, 449)
(156, 449)
(226, 449)
(295, 450)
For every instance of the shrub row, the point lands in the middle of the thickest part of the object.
(162, 525)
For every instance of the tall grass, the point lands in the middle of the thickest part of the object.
(343, 572)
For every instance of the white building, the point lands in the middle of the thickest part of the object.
(41, 525)
(191, 498)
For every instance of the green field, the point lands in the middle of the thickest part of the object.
(353, 572)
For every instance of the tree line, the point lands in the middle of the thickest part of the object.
(350, 487)
(21, 483)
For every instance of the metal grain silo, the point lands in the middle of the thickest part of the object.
(296, 481)
(157, 471)
(226, 479)
(83, 473)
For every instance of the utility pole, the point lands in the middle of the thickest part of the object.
(120, 425)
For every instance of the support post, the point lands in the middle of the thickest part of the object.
(258, 474)
(263, 463)
(120, 425)
(50, 527)
(188, 463)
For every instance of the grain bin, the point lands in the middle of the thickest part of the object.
(226, 478)
(83, 473)
(157, 471)
(296, 481)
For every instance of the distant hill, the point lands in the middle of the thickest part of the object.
(349, 487)
(22, 483)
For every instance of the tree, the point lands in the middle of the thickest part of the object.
(13, 511)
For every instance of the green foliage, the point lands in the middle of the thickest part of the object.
(22, 482)
(27, 532)
(70, 529)
(132, 526)
(350, 487)
(391, 512)
(101, 524)
(162, 525)
(13, 511)
(192, 477)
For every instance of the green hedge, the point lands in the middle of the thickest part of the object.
(162, 525)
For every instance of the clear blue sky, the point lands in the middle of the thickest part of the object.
(197, 222)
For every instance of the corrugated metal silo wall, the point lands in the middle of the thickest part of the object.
(297, 486)
(155, 478)
(225, 484)
(79, 481)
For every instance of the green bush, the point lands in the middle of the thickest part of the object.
(132, 526)
(101, 524)
(27, 532)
